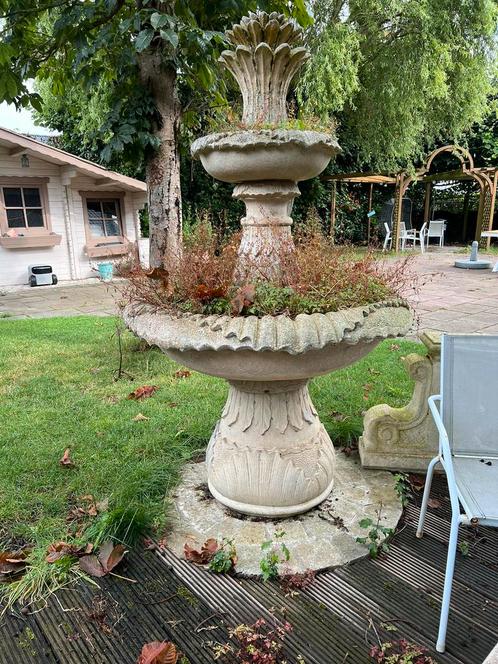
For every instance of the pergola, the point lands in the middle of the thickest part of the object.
(487, 179)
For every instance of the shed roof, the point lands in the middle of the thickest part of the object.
(19, 144)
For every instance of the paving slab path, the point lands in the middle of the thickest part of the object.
(74, 299)
(455, 300)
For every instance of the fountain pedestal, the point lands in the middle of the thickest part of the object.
(269, 430)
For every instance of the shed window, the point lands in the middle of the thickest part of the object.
(23, 207)
(104, 217)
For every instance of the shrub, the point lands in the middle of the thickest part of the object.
(316, 277)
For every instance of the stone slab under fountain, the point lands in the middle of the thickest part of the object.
(269, 455)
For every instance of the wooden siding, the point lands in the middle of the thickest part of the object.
(14, 263)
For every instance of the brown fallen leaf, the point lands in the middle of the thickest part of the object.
(434, 503)
(182, 373)
(158, 652)
(143, 392)
(338, 417)
(243, 298)
(202, 557)
(102, 564)
(12, 565)
(206, 294)
(140, 418)
(66, 460)
(417, 482)
(59, 550)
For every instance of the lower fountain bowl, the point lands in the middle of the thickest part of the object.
(269, 455)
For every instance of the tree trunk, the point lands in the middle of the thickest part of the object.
(163, 167)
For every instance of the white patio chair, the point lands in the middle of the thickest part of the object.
(388, 240)
(467, 421)
(436, 229)
(413, 236)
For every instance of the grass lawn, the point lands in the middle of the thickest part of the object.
(57, 391)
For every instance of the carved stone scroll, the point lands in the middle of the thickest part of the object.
(406, 438)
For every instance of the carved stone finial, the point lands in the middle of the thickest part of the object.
(266, 56)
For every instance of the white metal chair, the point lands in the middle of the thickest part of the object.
(412, 235)
(467, 421)
(388, 240)
(436, 229)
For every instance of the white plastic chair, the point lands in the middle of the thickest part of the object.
(388, 240)
(436, 229)
(412, 235)
(467, 421)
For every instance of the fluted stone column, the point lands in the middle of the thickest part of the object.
(270, 430)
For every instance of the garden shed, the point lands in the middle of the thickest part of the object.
(60, 210)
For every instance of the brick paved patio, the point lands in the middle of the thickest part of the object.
(450, 300)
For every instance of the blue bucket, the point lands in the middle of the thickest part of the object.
(105, 271)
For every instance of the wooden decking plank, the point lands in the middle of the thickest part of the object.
(466, 642)
(335, 589)
(320, 632)
(423, 576)
(111, 624)
(230, 594)
(468, 570)
(22, 640)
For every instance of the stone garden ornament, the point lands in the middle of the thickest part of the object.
(269, 454)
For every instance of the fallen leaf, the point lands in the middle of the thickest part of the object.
(434, 503)
(182, 373)
(92, 510)
(108, 557)
(202, 557)
(91, 565)
(158, 652)
(417, 482)
(366, 390)
(243, 298)
(59, 550)
(172, 404)
(338, 417)
(66, 460)
(111, 555)
(143, 392)
(12, 564)
(140, 418)
(394, 347)
(206, 294)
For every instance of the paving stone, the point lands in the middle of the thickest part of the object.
(319, 539)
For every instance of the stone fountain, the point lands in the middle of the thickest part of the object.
(269, 454)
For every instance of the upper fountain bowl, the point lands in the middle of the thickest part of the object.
(266, 154)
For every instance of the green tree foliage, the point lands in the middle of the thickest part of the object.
(150, 60)
(400, 75)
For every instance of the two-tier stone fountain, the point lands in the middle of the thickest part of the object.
(269, 455)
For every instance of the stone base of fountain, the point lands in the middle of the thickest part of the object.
(323, 538)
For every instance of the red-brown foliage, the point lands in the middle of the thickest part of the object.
(315, 277)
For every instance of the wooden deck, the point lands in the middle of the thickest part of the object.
(334, 621)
